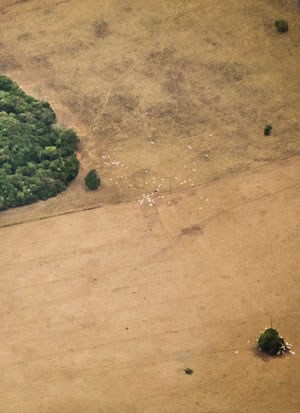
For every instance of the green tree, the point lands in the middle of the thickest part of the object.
(92, 180)
(6, 83)
(267, 130)
(282, 26)
(270, 342)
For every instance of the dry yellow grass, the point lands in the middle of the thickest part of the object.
(196, 78)
(103, 309)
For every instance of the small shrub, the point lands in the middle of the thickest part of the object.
(267, 130)
(92, 180)
(271, 343)
(188, 371)
(282, 26)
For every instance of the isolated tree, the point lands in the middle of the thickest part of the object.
(271, 343)
(282, 26)
(267, 130)
(92, 180)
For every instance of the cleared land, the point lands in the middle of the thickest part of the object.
(196, 78)
(103, 309)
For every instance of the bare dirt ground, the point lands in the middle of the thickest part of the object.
(172, 90)
(103, 309)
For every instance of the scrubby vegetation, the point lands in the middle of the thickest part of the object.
(267, 130)
(92, 180)
(282, 26)
(37, 158)
(271, 343)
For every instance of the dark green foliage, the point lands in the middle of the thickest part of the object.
(37, 158)
(6, 83)
(282, 26)
(188, 371)
(270, 342)
(92, 180)
(267, 130)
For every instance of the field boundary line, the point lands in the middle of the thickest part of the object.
(196, 186)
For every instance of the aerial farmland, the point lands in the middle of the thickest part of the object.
(151, 232)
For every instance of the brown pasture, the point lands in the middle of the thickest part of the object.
(174, 92)
(104, 302)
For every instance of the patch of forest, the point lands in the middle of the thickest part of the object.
(37, 157)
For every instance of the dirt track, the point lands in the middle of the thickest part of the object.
(102, 310)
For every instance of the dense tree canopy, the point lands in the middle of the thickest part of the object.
(37, 158)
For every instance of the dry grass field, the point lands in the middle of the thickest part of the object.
(104, 302)
(103, 310)
(152, 87)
